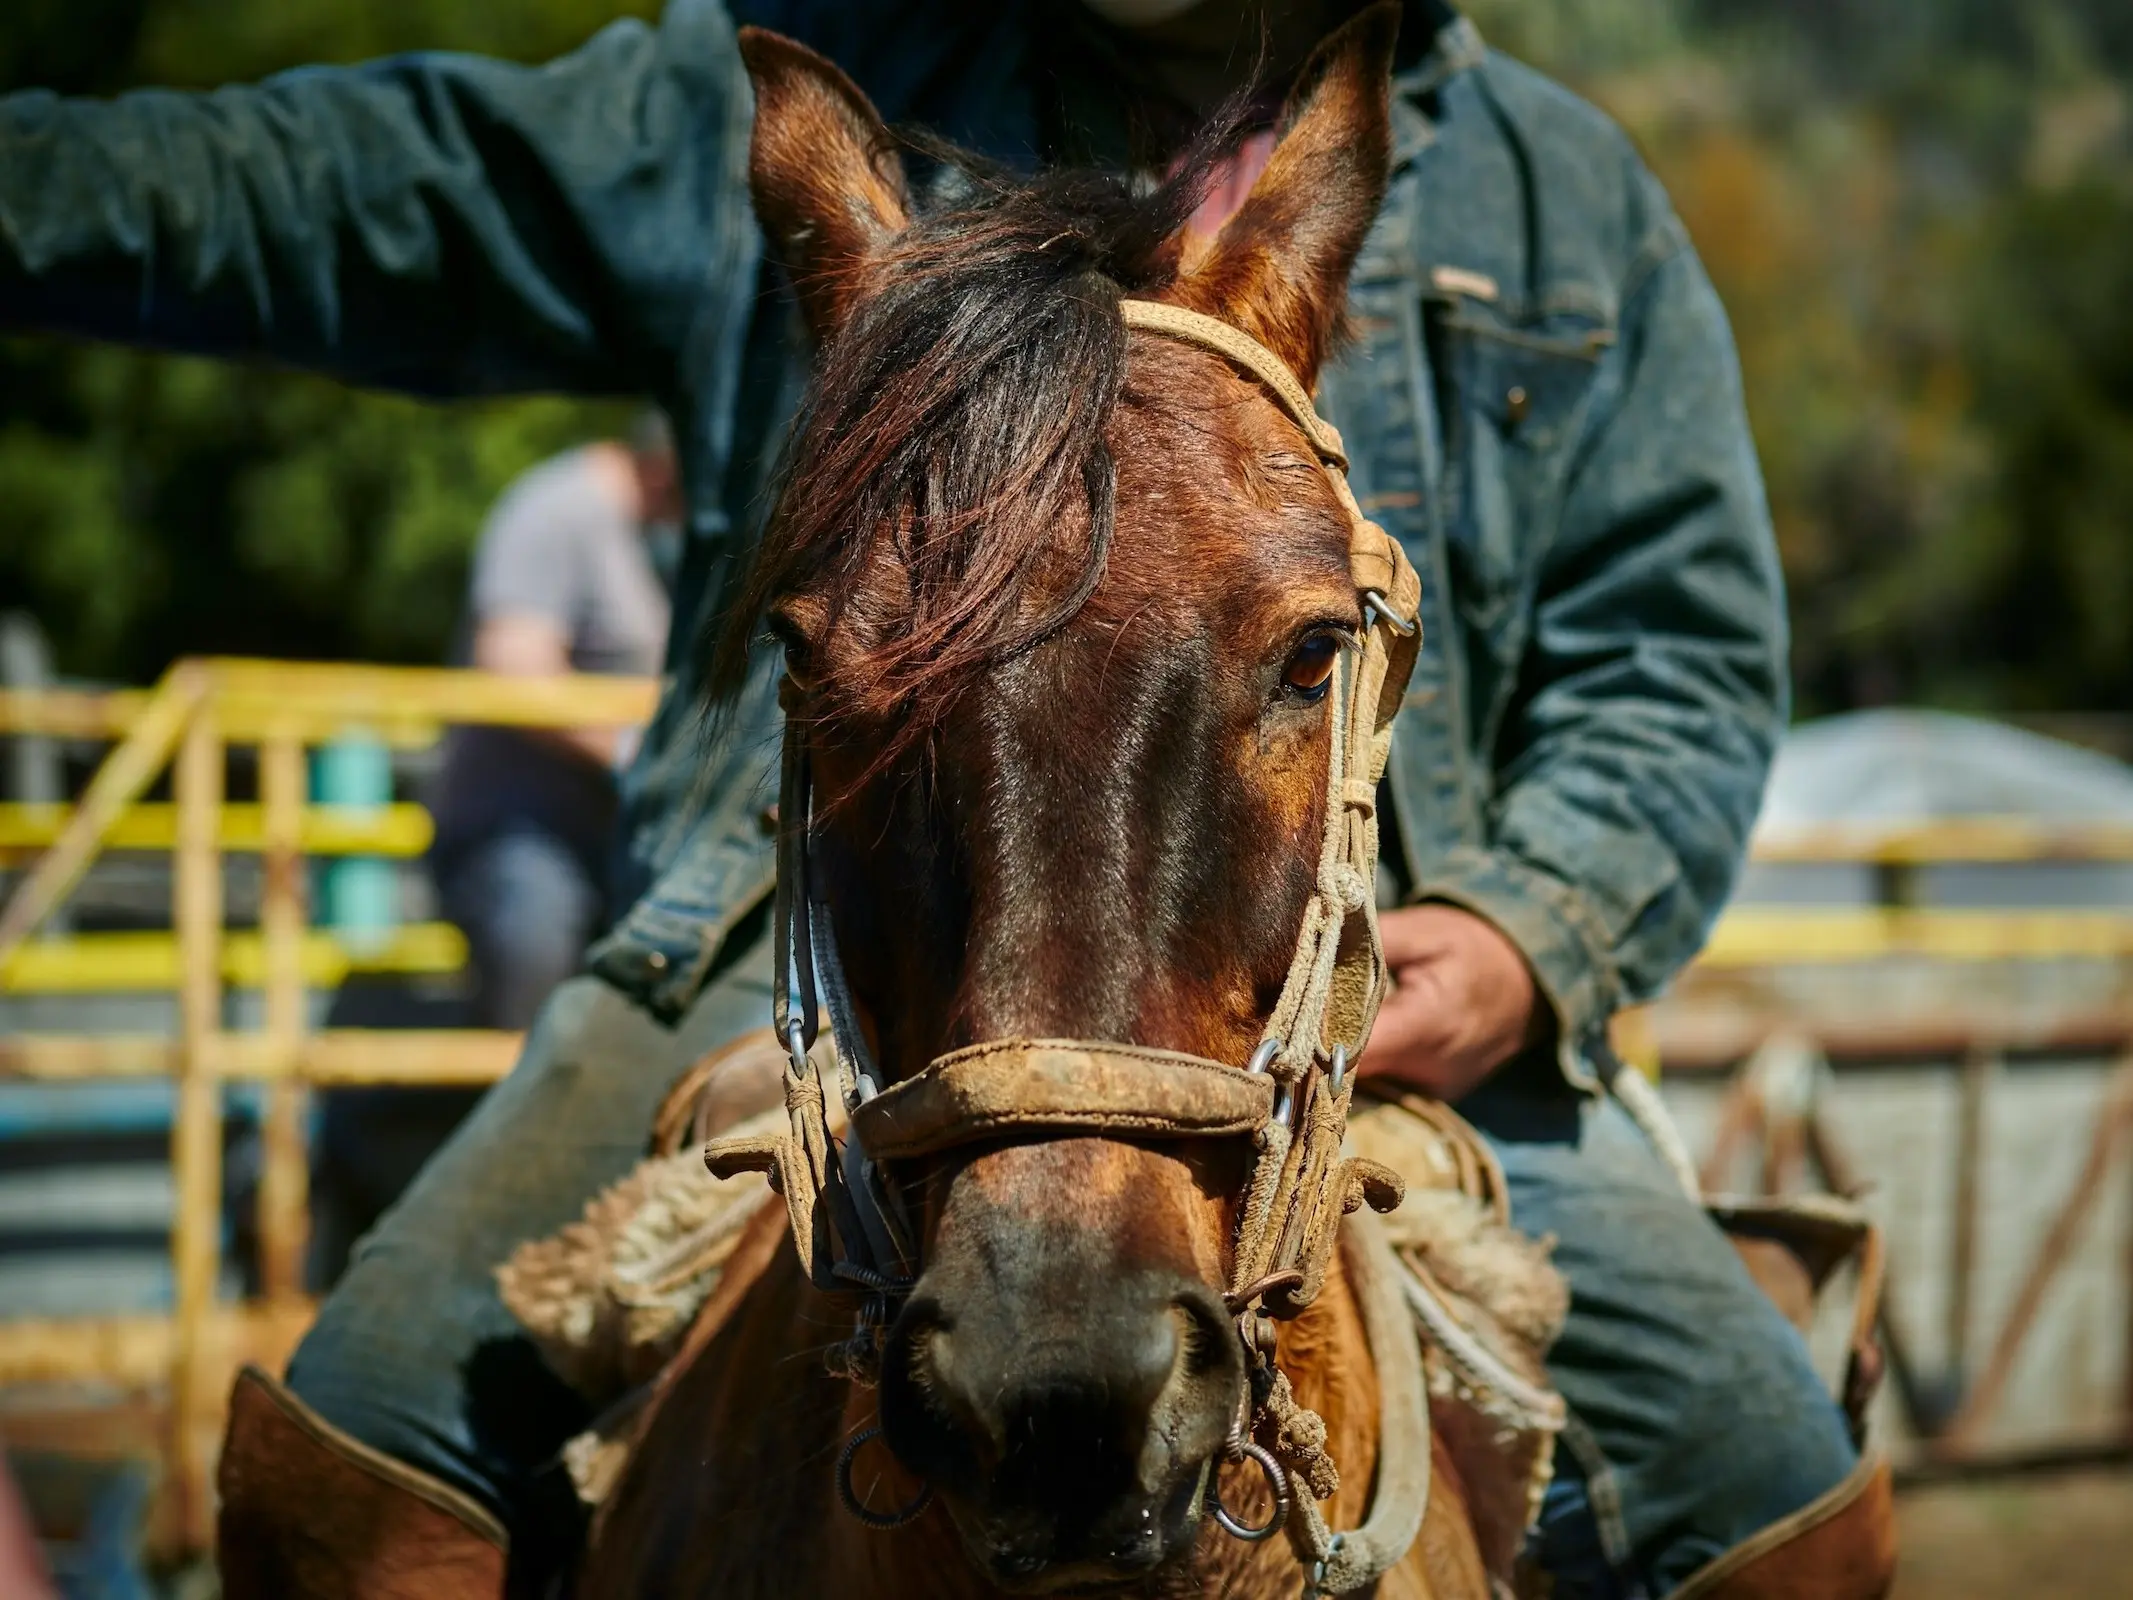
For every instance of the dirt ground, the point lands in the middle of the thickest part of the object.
(2063, 1537)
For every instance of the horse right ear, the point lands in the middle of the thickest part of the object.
(1279, 267)
(824, 174)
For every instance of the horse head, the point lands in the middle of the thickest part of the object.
(1061, 604)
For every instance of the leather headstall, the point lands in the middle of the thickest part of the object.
(1291, 1098)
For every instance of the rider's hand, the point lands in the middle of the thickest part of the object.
(1463, 1001)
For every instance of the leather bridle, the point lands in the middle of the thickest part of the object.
(1291, 1098)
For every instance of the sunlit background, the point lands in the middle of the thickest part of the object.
(1919, 214)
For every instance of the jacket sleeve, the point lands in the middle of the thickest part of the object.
(438, 224)
(1654, 689)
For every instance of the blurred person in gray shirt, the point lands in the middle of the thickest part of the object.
(567, 577)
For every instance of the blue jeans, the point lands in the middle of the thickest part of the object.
(1696, 1415)
(413, 1351)
(1698, 1419)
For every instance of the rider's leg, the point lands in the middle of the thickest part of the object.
(414, 1354)
(1698, 1420)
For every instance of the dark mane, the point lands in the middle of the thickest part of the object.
(960, 415)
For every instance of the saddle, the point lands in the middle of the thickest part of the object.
(622, 1298)
(657, 1262)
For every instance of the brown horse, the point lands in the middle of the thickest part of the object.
(1062, 602)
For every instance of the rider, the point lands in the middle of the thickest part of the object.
(1541, 402)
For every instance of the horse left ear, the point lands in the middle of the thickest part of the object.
(1279, 267)
(823, 172)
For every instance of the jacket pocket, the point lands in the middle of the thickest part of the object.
(1513, 393)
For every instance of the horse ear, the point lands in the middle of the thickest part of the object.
(824, 174)
(1279, 267)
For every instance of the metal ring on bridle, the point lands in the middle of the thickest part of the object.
(1338, 1070)
(796, 1047)
(1262, 1062)
(1276, 1479)
(859, 1508)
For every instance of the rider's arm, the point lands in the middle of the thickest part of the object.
(433, 223)
(1654, 689)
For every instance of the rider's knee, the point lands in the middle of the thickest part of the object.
(350, 1370)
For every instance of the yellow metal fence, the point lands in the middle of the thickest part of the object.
(188, 723)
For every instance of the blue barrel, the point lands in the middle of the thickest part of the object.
(358, 896)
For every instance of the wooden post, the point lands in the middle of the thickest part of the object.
(1979, 1067)
(284, 1181)
(1740, 1118)
(2112, 1120)
(1841, 1176)
(196, 1133)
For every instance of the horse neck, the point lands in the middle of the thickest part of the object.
(1327, 1357)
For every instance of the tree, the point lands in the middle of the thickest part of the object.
(1919, 216)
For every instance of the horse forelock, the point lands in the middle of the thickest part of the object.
(947, 494)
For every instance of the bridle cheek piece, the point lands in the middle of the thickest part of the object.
(1291, 1099)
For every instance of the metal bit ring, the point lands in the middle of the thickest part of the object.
(1276, 1480)
(859, 1508)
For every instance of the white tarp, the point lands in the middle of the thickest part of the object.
(1914, 766)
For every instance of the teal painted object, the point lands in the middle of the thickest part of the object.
(358, 896)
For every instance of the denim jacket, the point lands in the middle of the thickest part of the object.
(1542, 402)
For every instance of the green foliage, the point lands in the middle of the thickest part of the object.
(1920, 216)
(2050, 554)
(204, 42)
(1919, 212)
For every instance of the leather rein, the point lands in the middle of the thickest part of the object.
(1291, 1098)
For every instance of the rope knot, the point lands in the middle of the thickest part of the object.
(1299, 1438)
(1349, 888)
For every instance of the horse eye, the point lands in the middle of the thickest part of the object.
(794, 643)
(1310, 670)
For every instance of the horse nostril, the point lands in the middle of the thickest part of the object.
(1208, 1336)
(1144, 1364)
(926, 1417)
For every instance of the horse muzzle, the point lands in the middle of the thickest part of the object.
(1069, 1420)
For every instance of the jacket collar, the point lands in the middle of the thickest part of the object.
(1455, 45)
